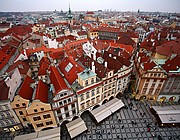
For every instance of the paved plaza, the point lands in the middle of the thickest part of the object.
(133, 122)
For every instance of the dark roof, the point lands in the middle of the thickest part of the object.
(4, 90)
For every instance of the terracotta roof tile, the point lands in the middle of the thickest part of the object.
(70, 75)
(42, 92)
(26, 91)
(57, 80)
(149, 65)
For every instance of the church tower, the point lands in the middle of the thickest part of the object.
(70, 17)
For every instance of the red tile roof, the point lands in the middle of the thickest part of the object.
(57, 80)
(108, 29)
(70, 75)
(8, 50)
(34, 41)
(81, 33)
(125, 39)
(75, 44)
(26, 91)
(21, 65)
(116, 64)
(4, 58)
(20, 30)
(69, 37)
(100, 69)
(55, 53)
(89, 13)
(4, 90)
(149, 65)
(42, 92)
(172, 64)
(169, 48)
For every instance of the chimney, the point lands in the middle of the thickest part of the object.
(105, 64)
(94, 55)
(110, 55)
(93, 67)
(114, 57)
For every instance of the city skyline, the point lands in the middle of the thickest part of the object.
(93, 5)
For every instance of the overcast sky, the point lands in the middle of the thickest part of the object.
(84, 5)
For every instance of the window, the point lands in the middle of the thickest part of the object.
(60, 103)
(20, 112)
(73, 105)
(60, 117)
(82, 97)
(35, 110)
(88, 103)
(87, 95)
(66, 108)
(154, 80)
(74, 111)
(97, 89)
(65, 102)
(82, 106)
(69, 100)
(153, 85)
(40, 125)
(23, 104)
(146, 85)
(17, 105)
(92, 93)
(58, 111)
(92, 80)
(86, 82)
(37, 118)
(42, 109)
(67, 114)
(49, 123)
(24, 119)
(46, 116)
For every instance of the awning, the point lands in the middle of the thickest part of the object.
(107, 109)
(76, 127)
(168, 114)
(101, 113)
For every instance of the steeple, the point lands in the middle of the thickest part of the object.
(69, 13)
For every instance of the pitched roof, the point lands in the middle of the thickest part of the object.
(57, 80)
(81, 33)
(26, 91)
(21, 65)
(44, 65)
(125, 39)
(89, 13)
(4, 90)
(108, 29)
(20, 30)
(69, 67)
(100, 69)
(172, 64)
(42, 92)
(149, 65)
(4, 58)
(169, 48)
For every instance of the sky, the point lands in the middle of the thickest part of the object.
(90, 5)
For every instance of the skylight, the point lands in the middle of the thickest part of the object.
(68, 67)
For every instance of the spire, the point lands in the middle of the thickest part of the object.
(69, 13)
